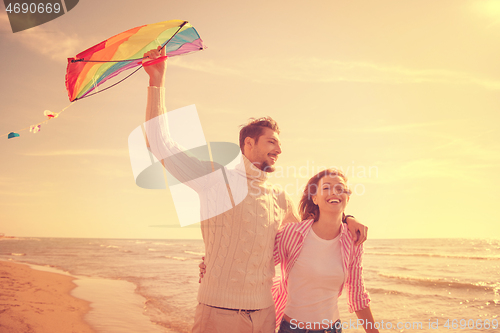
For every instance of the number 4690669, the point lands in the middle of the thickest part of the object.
(33, 8)
(471, 324)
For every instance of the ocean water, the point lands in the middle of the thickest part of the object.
(439, 285)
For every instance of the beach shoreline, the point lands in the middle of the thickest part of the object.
(37, 301)
(151, 285)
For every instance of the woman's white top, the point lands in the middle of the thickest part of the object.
(315, 280)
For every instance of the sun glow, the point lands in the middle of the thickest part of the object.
(489, 8)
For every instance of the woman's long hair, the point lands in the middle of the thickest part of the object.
(307, 208)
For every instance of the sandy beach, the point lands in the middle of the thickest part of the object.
(37, 301)
(151, 286)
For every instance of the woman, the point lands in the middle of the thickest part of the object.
(318, 259)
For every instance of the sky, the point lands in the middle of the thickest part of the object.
(401, 95)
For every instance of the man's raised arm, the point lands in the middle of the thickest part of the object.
(183, 166)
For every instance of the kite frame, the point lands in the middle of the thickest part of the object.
(129, 60)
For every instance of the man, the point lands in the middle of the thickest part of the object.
(239, 232)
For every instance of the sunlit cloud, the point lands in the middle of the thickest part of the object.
(270, 70)
(421, 169)
(477, 145)
(469, 149)
(6, 180)
(459, 162)
(22, 194)
(112, 172)
(205, 66)
(82, 152)
(53, 44)
(399, 127)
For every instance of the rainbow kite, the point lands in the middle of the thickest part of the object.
(88, 70)
(92, 67)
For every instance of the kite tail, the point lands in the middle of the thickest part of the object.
(35, 128)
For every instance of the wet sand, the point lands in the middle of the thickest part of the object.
(40, 302)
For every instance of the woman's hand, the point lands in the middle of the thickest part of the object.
(157, 70)
(203, 268)
(358, 231)
(367, 320)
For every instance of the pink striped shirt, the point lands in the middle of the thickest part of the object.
(287, 247)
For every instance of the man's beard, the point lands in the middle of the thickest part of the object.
(266, 167)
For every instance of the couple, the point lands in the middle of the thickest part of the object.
(235, 293)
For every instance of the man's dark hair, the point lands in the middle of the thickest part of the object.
(255, 127)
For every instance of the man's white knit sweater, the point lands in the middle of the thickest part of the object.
(239, 242)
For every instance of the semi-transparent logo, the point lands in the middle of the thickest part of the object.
(205, 180)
